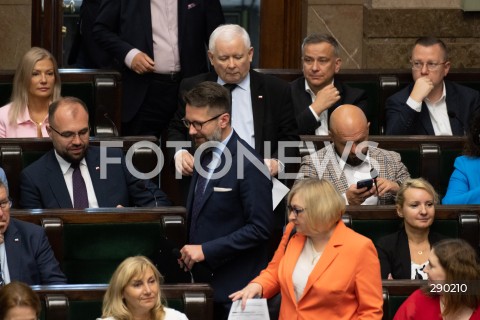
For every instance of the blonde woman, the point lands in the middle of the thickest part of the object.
(134, 293)
(325, 270)
(35, 85)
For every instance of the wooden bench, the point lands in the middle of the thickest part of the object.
(101, 90)
(430, 157)
(89, 244)
(80, 302)
(18, 153)
(459, 221)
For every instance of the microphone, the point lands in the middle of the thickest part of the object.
(142, 186)
(176, 253)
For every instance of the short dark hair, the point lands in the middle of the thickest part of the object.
(431, 41)
(210, 95)
(472, 146)
(320, 38)
(65, 100)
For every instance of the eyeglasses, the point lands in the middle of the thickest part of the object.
(6, 204)
(296, 211)
(198, 125)
(431, 66)
(71, 135)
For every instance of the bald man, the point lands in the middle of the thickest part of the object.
(351, 158)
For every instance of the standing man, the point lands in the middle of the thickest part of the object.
(70, 176)
(25, 254)
(262, 108)
(316, 95)
(350, 158)
(230, 214)
(155, 43)
(431, 105)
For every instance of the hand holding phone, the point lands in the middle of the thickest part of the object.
(365, 183)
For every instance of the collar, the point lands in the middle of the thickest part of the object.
(244, 84)
(309, 90)
(442, 98)
(64, 164)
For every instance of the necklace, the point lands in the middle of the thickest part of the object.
(315, 255)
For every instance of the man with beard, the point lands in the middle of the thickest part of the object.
(230, 214)
(351, 158)
(71, 175)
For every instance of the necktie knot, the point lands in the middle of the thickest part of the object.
(230, 86)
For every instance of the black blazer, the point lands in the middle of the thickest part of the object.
(307, 123)
(394, 253)
(400, 119)
(123, 25)
(273, 116)
(42, 184)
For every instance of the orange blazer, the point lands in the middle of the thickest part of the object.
(345, 283)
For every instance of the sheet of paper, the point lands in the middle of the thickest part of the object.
(278, 192)
(256, 309)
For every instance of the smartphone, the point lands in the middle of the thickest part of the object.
(365, 183)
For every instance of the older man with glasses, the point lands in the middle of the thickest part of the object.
(25, 253)
(431, 105)
(74, 174)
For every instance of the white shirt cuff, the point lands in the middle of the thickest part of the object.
(314, 113)
(129, 57)
(416, 106)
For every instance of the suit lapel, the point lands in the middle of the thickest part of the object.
(451, 100)
(332, 249)
(257, 92)
(147, 27)
(293, 251)
(425, 119)
(57, 183)
(12, 248)
(92, 158)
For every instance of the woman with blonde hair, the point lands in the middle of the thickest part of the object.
(324, 270)
(18, 301)
(404, 254)
(134, 293)
(453, 290)
(36, 84)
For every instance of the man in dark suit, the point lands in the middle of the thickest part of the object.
(155, 43)
(431, 105)
(74, 169)
(261, 105)
(316, 94)
(25, 254)
(229, 205)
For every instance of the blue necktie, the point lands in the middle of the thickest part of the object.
(80, 196)
(200, 189)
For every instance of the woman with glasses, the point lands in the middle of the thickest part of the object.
(134, 293)
(464, 185)
(324, 270)
(35, 85)
(18, 301)
(453, 290)
(404, 254)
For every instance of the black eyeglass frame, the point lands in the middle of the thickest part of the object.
(296, 211)
(198, 125)
(71, 135)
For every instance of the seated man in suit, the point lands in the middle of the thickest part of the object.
(317, 94)
(230, 214)
(352, 158)
(76, 175)
(261, 104)
(431, 105)
(25, 254)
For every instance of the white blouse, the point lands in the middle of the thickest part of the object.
(306, 262)
(170, 314)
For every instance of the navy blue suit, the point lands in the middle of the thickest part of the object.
(307, 123)
(400, 119)
(42, 184)
(123, 25)
(234, 223)
(29, 255)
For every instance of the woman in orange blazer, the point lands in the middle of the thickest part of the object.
(325, 270)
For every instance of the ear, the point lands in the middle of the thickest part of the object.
(224, 120)
(250, 54)
(49, 130)
(210, 57)
(338, 65)
(399, 211)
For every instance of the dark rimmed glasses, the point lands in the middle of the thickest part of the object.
(198, 125)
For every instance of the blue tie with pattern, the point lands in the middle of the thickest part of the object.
(80, 196)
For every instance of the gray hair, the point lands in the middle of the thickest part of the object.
(228, 32)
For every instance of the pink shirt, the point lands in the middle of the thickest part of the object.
(25, 127)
